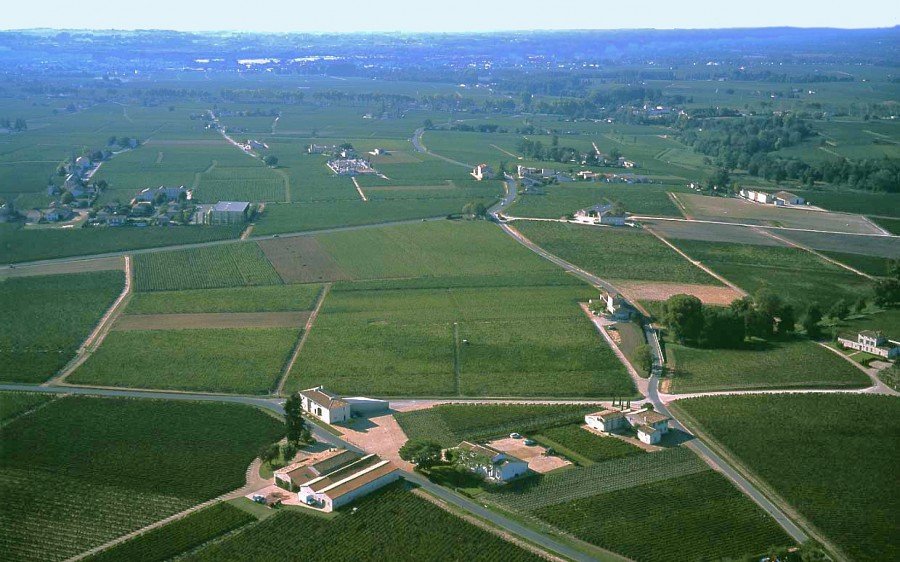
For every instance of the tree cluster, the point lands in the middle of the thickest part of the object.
(16, 125)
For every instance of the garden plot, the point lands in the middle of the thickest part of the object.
(735, 210)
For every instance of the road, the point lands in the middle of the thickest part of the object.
(275, 405)
(653, 395)
(416, 141)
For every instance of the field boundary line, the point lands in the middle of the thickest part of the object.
(287, 184)
(700, 432)
(815, 253)
(640, 383)
(697, 263)
(680, 205)
(279, 388)
(877, 387)
(28, 412)
(484, 525)
(456, 368)
(508, 153)
(876, 225)
(359, 189)
(99, 333)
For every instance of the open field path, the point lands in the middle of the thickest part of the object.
(359, 189)
(813, 252)
(508, 153)
(279, 388)
(96, 337)
(697, 263)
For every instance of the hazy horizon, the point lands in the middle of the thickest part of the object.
(408, 16)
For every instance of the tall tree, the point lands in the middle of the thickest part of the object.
(684, 317)
(297, 431)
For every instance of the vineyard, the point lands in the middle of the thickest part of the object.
(43, 324)
(593, 447)
(449, 424)
(699, 516)
(225, 265)
(82, 471)
(847, 441)
(178, 536)
(240, 360)
(391, 524)
(272, 298)
(583, 482)
(14, 403)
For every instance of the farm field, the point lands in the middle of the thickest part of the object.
(458, 341)
(614, 253)
(776, 364)
(873, 265)
(131, 462)
(226, 265)
(861, 202)
(179, 536)
(710, 232)
(244, 361)
(43, 325)
(301, 259)
(449, 424)
(13, 404)
(212, 320)
(715, 520)
(272, 298)
(891, 225)
(853, 498)
(18, 244)
(880, 246)
(740, 211)
(416, 528)
(593, 447)
(64, 267)
(887, 321)
(558, 200)
(797, 276)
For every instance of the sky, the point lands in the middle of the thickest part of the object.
(443, 16)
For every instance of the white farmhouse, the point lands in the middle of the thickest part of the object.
(325, 405)
(870, 341)
(606, 420)
(490, 463)
(482, 172)
(600, 214)
(650, 425)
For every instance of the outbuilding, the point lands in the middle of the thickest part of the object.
(606, 420)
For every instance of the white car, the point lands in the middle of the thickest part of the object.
(515, 436)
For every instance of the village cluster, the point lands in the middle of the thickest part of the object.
(344, 160)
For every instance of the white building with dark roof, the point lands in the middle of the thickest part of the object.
(490, 463)
(872, 342)
(482, 172)
(606, 420)
(325, 405)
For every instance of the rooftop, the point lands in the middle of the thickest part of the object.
(231, 206)
(648, 417)
(608, 414)
(323, 398)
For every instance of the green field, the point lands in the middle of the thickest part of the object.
(448, 424)
(122, 463)
(861, 202)
(390, 524)
(513, 341)
(873, 265)
(233, 299)
(21, 245)
(711, 520)
(777, 364)
(245, 361)
(593, 447)
(179, 536)
(46, 318)
(13, 404)
(614, 253)
(891, 225)
(556, 201)
(226, 265)
(799, 277)
(848, 442)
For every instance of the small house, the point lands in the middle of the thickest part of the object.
(490, 463)
(650, 425)
(325, 405)
(606, 420)
(482, 172)
(82, 163)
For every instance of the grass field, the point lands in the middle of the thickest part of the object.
(448, 424)
(46, 318)
(593, 447)
(861, 202)
(245, 361)
(227, 265)
(742, 211)
(20, 245)
(713, 520)
(390, 524)
(796, 275)
(787, 364)
(233, 299)
(179, 536)
(512, 341)
(564, 199)
(614, 253)
(847, 441)
(130, 463)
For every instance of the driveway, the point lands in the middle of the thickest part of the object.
(381, 435)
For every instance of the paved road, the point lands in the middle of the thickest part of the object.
(276, 405)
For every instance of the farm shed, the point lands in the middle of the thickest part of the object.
(606, 420)
(787, 198)
(325, 405)
(341, 486)
(293, 476)
(491, 463)
(228, 212)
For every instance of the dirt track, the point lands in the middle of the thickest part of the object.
(211, 320)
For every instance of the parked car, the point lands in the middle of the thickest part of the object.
(530, 442)
(515, 436)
